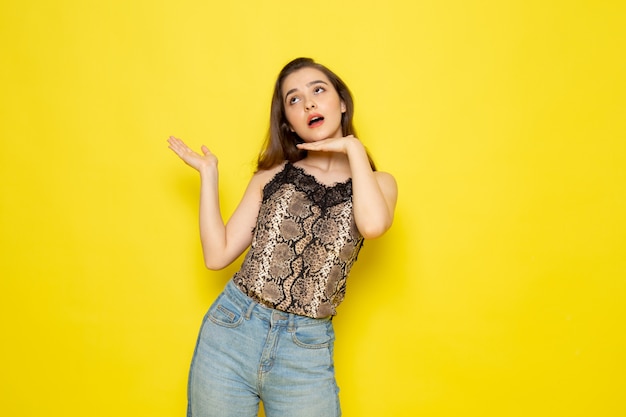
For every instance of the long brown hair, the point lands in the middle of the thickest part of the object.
(280, 143)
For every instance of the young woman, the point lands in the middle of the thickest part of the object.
(314, 198)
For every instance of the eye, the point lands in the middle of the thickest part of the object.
(318, 89)
(294, 99)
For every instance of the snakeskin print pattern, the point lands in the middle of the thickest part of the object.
(304, 245)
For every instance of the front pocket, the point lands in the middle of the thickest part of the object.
(224, 314)
(313, 337)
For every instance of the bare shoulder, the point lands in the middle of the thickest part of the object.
(251, 200)
(386, 181)
(389, 188)
(262, 177)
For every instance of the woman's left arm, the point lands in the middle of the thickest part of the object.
(374, 193)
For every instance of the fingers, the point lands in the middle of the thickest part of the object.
(322, 145)
(194, 159)
(178, 145)
(313, 146)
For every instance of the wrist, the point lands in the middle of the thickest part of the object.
(208, 171)
(355, 147)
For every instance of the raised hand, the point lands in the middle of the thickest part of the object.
(340, 145)
(190, 157)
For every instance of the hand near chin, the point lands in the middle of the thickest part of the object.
(190, 157)
(340, 145)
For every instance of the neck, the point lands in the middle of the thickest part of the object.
(325, 161)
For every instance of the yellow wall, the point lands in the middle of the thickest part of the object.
(500, 290)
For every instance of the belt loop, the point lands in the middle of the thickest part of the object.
(292, 324)
(249, 310)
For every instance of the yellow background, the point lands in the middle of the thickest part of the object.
(499, 291)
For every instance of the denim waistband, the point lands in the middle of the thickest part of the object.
(276, 317)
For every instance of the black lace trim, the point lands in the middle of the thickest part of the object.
(322, 195)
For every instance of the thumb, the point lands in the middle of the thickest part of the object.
(205, 150)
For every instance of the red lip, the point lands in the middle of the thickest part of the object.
(314, 116)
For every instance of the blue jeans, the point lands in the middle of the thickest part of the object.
(247, 352)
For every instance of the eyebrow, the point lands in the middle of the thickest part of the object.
(293, 90)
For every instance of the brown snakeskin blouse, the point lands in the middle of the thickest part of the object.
(303, 246)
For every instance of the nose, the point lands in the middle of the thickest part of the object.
(310, 104)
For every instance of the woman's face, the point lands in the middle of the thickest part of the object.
(312, 105)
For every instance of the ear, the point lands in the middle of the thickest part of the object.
(343, 107)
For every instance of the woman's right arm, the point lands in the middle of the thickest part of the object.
(221, 243)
